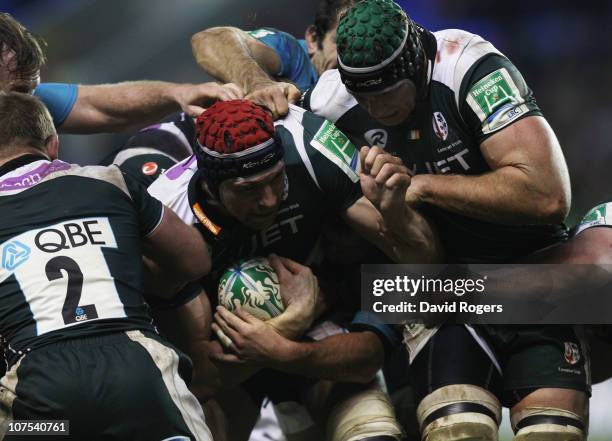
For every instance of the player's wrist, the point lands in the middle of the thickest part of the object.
(289, 352)
(258, 83)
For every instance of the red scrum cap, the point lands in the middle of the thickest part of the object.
(235, 138)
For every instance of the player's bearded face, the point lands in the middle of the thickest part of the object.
(254, 201)
(326, 56)
(391, 106)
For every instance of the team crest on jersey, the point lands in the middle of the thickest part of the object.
(150, 168)
(377, 137)
(572, 353)
(14, 254)
(440, 126)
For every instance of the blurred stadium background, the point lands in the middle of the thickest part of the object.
(561, 47)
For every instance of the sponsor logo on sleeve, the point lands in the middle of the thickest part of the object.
(599, 215)
(335, 146)
(150, 168)
(496, 100)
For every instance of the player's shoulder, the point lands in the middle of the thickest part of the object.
(172, 188)
(457, 52)
(41, 173)
(317, 144)
(328, 97)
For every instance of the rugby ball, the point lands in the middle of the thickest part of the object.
(253, 285)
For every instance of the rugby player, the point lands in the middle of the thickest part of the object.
(268, 64)
(254, 188)
(71, 285)
(358, 356)
(96, 108)
(488, 171)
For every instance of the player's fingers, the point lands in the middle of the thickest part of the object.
(279, 266)
(399, 181)
(262, 99)
(244, 315)
(226, 358)
(231, 325)
(389, 170)
(371, 158)
(223, 338)
(293, 266)
(231, 319)
(193, 110)
(381, 159)
(234, 91)
(292, 93)
(280, 103)
(363, 154)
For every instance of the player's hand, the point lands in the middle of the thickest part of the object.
(299, 289)
(414, 194)
(252, 340)
(195, 98)
(275, 96)
(384, 180)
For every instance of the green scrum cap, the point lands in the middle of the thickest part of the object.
(379, 45)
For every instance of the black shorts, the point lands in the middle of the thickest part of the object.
(530, 358)
(115, 386)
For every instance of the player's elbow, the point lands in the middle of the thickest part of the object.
(555, 208)
(195, 269)
(205, 43)
(366, 372)
(373, 357)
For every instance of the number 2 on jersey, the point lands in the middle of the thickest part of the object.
(71, 311)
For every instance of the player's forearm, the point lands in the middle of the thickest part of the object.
(123, 106)
(353, 357)
(223, 54)
(508, 195)
(411, 238)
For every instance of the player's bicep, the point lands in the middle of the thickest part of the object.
(86, 115)
(178, 248)
(530, 142)
(266, 56)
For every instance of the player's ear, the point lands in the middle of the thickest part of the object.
(52, 146)
(311, 38)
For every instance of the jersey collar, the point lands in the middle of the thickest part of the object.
(20, 161)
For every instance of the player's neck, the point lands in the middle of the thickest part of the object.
(4, 159)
